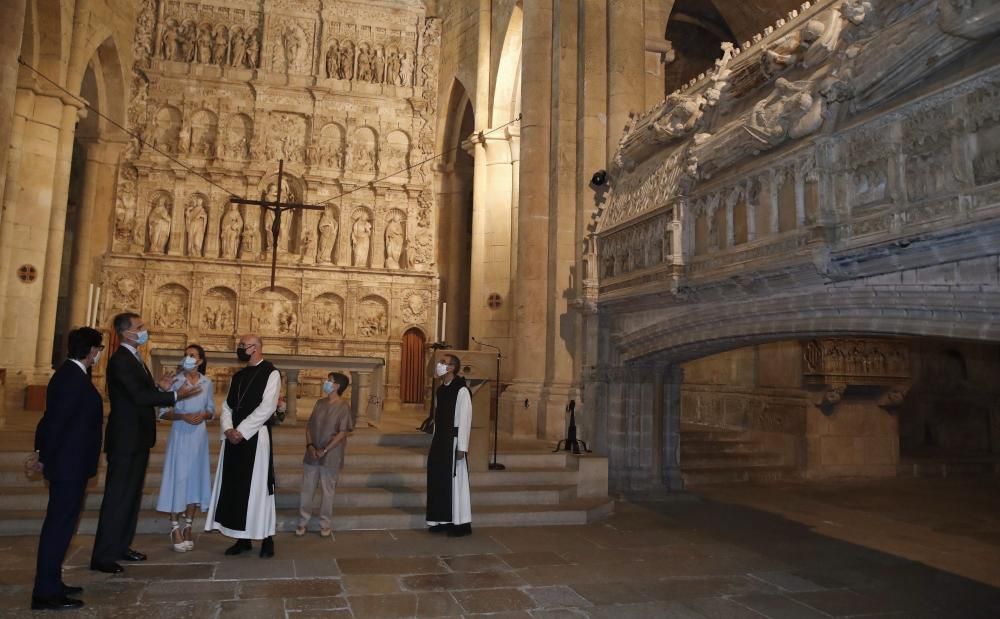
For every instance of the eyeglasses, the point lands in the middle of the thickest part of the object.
(99, 347)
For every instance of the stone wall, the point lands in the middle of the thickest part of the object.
(345, 94)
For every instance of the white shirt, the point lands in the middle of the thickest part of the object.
(80, 365)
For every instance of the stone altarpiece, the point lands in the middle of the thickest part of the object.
(345, 93)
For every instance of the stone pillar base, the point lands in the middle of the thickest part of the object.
(520, 406)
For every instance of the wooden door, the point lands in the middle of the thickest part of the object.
(411, 374)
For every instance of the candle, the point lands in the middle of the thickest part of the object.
(444, 322)
(90, 303)
(97, 307)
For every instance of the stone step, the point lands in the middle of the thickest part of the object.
(378, 477)
(722, 459)
(35, 498)
(726, 475)
(948, 469)
(698, 447)
(576, 511)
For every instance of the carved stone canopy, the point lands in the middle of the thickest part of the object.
(869, 367)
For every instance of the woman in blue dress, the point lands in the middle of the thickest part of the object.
(186, 485)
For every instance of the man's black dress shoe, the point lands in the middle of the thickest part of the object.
(55, 602)
(108, 567)
(133, 555)
(70, 590)
(267, 548)
(461, 530)
(241, 546)
(440, 528)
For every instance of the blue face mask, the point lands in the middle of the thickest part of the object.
(142, 337)
(328, 387)
(189, 363)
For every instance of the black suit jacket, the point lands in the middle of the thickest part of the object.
(68, 437)
(134, 396)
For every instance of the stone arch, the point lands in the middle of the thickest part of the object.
(43, 44)
(373, 317)
(682, 335)
(170, 306)
(507, 89)
(218, 310)
(326, 315)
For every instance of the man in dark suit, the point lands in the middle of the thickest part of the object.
(130, 435)
(68, 446)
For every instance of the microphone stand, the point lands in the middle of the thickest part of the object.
(494, 466)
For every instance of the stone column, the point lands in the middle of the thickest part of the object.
(11, 28)
(29, 211)
(670, 460)
(92, 239)
(531, 280)
(626, 58)
(291, 395)
(565, 237)
(491, 244)
(56, 236)
(24, 101)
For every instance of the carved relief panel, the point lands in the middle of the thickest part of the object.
(275, 313)
(218, 310)
(170, 307)
(327, 315)
(373, 317)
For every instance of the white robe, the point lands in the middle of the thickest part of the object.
(261, 513)
(461, 496)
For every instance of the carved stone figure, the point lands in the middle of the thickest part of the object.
(307, 244)
(238, 58)
(378, 66)
(159, 226)
(169, 48)
(361, 233)
(405, 70)
(221, 49)
(333, 70)
(205, 43)
(327, 236)
(347, 61)
(250, 248)
(232, 228)
(362, 157)
(365, 72)
(253, 49)
(372, 321)
(293, 44)
(187, 41)
(393, 243)
(392, 66)
(419, 250)
(196, 221)
(680, 117)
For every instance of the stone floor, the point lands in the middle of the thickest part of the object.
(793, 551)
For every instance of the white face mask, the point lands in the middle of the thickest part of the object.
(97, 357)
(440, 369)
(189, 363)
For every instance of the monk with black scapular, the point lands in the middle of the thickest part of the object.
(242, 503)
(449, 503)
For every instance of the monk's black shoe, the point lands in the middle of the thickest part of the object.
(267, 548)
(460, 530)
(440, 528)
(71, 590)
(241, 546)
(133, 555)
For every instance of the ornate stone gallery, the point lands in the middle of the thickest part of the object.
(345, 94)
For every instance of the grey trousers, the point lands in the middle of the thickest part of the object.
(327, 480)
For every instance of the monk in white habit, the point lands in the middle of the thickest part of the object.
(449, 502)
(242, 503)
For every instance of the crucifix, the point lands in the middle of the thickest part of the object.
(277, 207)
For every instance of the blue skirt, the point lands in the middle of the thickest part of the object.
(185, 470)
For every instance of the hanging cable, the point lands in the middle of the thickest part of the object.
(208, 180)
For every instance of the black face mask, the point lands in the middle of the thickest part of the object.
(242, 354)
